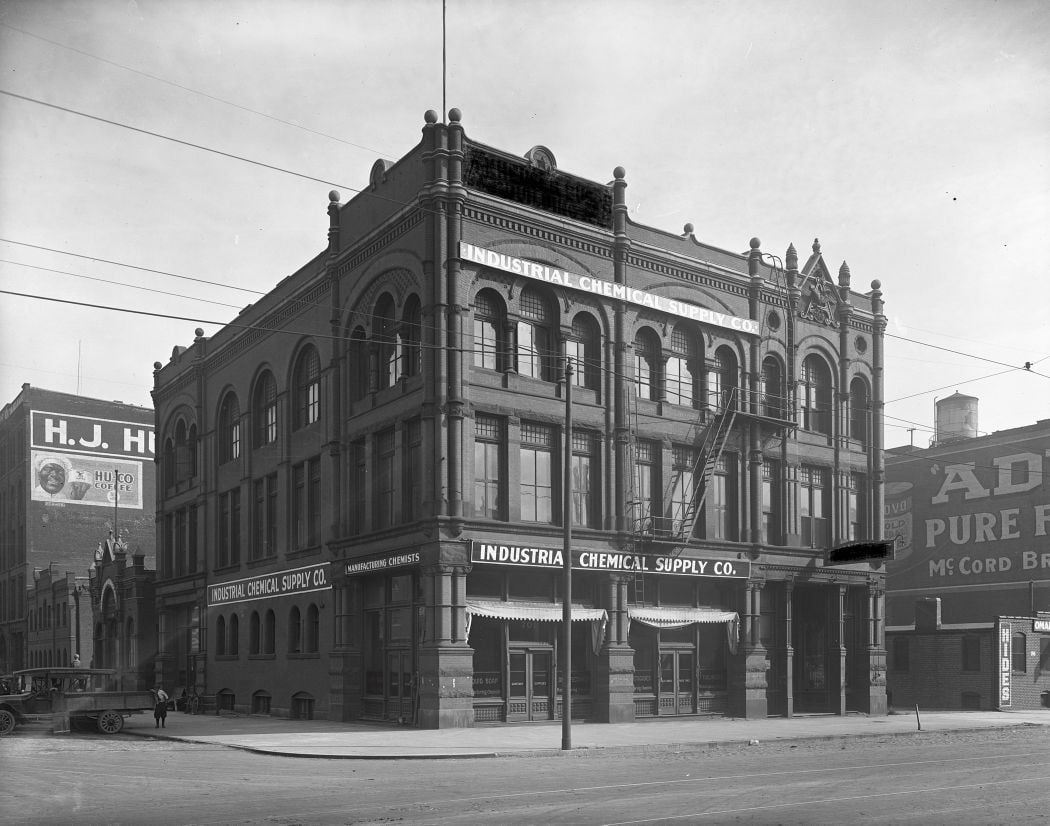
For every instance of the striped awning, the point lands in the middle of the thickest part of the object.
(535, 611)
(668, 617)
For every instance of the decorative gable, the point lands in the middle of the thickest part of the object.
(819, 301)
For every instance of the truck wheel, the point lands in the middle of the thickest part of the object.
(110, 722)
(7, 721)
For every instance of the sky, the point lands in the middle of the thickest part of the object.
(912, 139)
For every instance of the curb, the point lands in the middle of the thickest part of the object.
(580, 751)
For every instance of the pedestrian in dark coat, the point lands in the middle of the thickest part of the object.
(160, 709)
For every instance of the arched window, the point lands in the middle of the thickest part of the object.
(357, 366)
(647, 365)
(254, 633)
(814, 395)
(489, 331)
(307, 383)
(170, 466)
(722, 381)
(220, 636)
(385, 339)
(585, 350)
(234, 636)
(411, 338)
(771, 388)
(680, 383)
(261, 702)
(313, 629)
(229, 429)
(183, 452)
(264, 410)
(535, 336)
(858, 410)
(270, 633)
(295, 631)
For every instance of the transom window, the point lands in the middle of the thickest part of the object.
(488, 467)
(680, 378)
(488, 330)
(537, 473)
(535, 337)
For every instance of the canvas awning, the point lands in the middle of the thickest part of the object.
(537, 612)
(672, 617)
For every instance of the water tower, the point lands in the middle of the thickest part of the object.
(956, 419)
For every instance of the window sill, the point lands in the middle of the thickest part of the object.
(262, 656)
(261, 561)
(304, 655)
(223, 658)
(299, 553)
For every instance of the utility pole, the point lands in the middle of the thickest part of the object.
(566, 596)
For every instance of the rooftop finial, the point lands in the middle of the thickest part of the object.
(844, 275)
(791, 256)
(816, 246)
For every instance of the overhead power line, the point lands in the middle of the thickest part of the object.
(190, 89)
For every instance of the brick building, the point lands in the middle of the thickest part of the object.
(72, 469)
(367, 480)
(58, 619)
(1000, 664)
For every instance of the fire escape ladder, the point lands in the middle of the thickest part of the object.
(683, 525)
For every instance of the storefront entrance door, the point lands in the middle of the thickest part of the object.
(530, 683)
(677, 681)
(400, 691)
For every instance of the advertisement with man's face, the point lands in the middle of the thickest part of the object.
(86, 480)
(975, 515)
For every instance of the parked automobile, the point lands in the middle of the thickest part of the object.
(61, 696)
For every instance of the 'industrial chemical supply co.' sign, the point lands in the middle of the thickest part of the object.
(609, 561)
(609, 289)
(283, 583)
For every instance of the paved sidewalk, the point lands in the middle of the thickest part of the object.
(321, 738)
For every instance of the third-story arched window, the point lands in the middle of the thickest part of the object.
(771, 388)
(680, 383)
(307, 383)
(584, 347)
(264, 410)
(489, 330)
(410, 336)
(385, 339)
(229, 429)
(858, 410)
(647, 365)
(722, 380)
(535, 336)
(814, 395)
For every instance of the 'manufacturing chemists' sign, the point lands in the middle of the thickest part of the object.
(293, 581)
(611, 562)
(609, 289)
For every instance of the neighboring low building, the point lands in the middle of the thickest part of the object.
(58, 611)
(998, 664)
(124, 627)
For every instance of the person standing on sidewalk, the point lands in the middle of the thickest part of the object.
(160, 710)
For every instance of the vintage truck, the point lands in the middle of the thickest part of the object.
(64, 696)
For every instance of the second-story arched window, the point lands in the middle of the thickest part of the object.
(264, 410)
(307, 383)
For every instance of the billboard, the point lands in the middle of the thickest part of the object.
(86, 480)
(977, 514)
